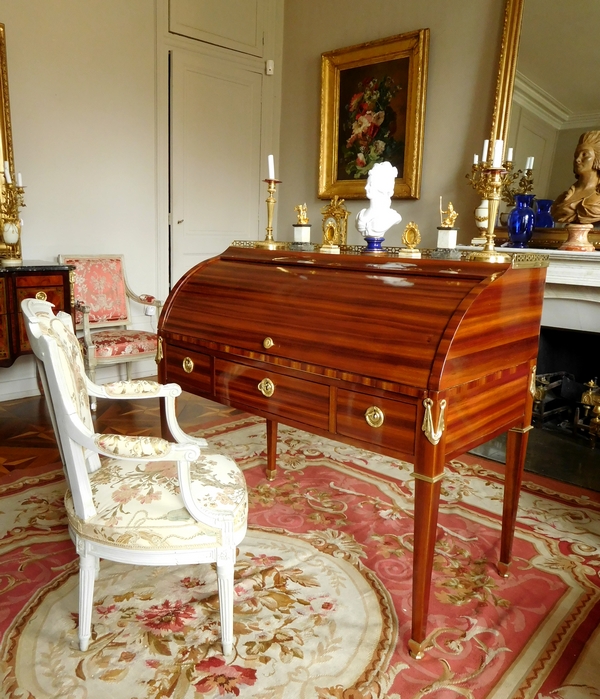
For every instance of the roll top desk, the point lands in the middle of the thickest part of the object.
(419, 359)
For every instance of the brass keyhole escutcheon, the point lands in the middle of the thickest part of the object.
(266, 387)
(374, 416)
(41, 296)
(268, 342)
(188, 365)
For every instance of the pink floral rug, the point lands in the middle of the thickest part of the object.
(323, 590)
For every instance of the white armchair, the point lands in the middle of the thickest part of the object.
(183, 505)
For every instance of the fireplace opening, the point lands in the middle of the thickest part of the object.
(565, 443)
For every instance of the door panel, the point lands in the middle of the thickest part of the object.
(216, 145)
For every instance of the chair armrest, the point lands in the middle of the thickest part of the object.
(135, 390)
(150, 448)
(84, 309)
(144, 299)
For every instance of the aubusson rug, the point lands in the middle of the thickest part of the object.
(323, 591)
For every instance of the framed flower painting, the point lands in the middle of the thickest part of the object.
(373, 110)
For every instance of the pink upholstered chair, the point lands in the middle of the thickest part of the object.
(139, 500)
(103, 314)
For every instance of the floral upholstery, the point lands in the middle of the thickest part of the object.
(100, 283)
(138, 504)
(132, 388)
(116, 343)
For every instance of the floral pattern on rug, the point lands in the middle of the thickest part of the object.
(323, 591)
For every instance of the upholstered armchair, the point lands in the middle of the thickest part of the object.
(139, 500)
(103, 315)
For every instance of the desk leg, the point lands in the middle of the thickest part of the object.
(429, 472)
(516, 448)
(271, 449)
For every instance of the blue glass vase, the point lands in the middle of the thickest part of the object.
(543, 217)
(520, 221)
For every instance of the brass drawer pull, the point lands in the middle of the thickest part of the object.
(266, 387)
(374, 416)
(268, 342)
(188, 365)
(41, 296)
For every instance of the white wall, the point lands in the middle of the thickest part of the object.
(82, 93)
(463, 64)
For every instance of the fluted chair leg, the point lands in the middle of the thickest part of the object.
(225, 584)
(87, 574)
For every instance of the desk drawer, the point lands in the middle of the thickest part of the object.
(258, 389)
(191, 370)
(355, 412)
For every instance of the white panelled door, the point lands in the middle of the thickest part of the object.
(215, 156)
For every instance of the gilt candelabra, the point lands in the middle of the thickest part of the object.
(489, 181)
(11, 201)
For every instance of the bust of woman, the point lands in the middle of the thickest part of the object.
(374, 221)
(581, 202)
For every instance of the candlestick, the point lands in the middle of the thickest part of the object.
(269, 242)
(493, 186)
(271, 163)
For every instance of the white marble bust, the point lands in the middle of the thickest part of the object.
(379, 217)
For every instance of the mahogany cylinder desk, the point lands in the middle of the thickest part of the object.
(419, 359)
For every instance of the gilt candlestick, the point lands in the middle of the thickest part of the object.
(269, 242)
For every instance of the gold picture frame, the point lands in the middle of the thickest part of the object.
(373, 109)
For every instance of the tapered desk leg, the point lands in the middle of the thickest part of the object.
(516, 448)
(429, 471)
(271, 449)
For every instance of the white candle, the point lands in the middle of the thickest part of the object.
(486, 145)
(19, 180)
(7, 173)
(529, 163)
(497, 158)
(509, 157)
(271, 167)
(475, 159)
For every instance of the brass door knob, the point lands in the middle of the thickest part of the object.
(188, 365)
(268, 342)
(266, 387)
(374, 416)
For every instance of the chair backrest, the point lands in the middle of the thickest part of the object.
(58, 352)
(99, 283)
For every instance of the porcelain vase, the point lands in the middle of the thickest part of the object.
(520, 221)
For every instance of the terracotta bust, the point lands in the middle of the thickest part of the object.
(379, 216)
(581, 202)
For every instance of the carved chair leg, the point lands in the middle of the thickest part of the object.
(87, 574)
(225, 585)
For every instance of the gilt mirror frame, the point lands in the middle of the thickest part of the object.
(6, 143)
(507, 69)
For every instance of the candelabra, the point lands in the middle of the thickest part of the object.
(269, 242)
(11, 201)
(488, 180)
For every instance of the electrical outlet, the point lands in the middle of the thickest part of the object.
(150, 310)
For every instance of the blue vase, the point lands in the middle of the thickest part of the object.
(520, 221)
(543, 217)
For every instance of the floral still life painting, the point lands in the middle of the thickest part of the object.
(373, 111)
(372, 123)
